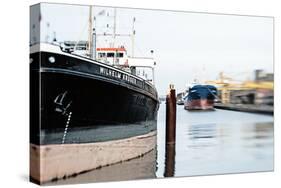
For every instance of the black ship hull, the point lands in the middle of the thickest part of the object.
(73, 94)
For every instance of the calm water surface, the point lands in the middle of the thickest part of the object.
(207, 142)
(217, 142)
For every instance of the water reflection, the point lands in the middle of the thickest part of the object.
(259, 131)
(201, 135)
(202, 131)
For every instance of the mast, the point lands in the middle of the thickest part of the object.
(47, 36)
(133, 36)
(114, 27)
(90, 35)
(55, 37)
(94, 44)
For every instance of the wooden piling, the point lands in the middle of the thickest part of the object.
(170, 133)
(170, 156)
(171, 116)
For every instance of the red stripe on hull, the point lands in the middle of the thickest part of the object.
(199, 104)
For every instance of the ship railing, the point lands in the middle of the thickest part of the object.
(139, 82)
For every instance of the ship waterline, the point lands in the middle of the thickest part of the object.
(53, 162)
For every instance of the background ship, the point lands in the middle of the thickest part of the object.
(200, 97)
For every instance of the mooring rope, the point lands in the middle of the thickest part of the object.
(66, 127)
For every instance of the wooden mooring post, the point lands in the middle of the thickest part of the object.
(170, 152)
(171, 112)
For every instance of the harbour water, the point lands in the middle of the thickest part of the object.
(207, 143)
(218, 142)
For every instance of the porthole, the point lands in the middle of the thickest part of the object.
(52, 59)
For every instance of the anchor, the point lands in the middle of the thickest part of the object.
(62, 105)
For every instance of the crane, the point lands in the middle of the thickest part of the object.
(226, 84)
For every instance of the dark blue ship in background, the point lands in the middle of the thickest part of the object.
(200, 97)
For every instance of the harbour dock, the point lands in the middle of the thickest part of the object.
(255, 96)
(246, 108)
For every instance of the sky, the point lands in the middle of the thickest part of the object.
(186, 45)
